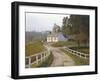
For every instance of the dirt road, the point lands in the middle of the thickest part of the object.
(60, 58)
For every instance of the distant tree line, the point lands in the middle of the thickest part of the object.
(78, 27)
(35, 36)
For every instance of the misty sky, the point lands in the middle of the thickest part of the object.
(42, 22)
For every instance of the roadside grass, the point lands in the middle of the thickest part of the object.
(72, 45)
(68, 44)
(83, 49)
(63, 43)
(33, 48)
(45, 63)
(78, 60)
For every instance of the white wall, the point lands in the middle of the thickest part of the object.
(5, 40)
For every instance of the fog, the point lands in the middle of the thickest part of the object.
(42, 22)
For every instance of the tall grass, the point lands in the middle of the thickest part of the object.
(33, 48)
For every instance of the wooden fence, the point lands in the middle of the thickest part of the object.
(36, 58)
(82, 55)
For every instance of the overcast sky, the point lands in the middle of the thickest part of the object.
(42, 22)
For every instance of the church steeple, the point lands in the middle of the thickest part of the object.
(56, 28)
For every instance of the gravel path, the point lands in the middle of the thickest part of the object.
(60, 58)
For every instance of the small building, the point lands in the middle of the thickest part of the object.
(55, 37)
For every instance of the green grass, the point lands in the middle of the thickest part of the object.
(71, 44)
(83, 49)
(33, 48)
(78, 60)
(46, 63)
(63, 43)
(68, 43)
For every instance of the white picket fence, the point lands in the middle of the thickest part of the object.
(36, 58)
(82, 55)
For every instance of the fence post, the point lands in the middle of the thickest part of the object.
(29, 62)
(41, 58)
(37, 59)
(80, 55)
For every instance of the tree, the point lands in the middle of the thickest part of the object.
(66, 27)
(81, 37)
(77, 25)
(80, 27)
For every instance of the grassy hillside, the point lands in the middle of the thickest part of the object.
(33, 48)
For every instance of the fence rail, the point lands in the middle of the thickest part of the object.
(82, 55)
(36, 58)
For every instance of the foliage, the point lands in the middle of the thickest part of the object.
(78, 26)
(66, 28)
(80, 23)
(81, 37)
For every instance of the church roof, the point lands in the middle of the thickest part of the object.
(54, 34)
(57, 34)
